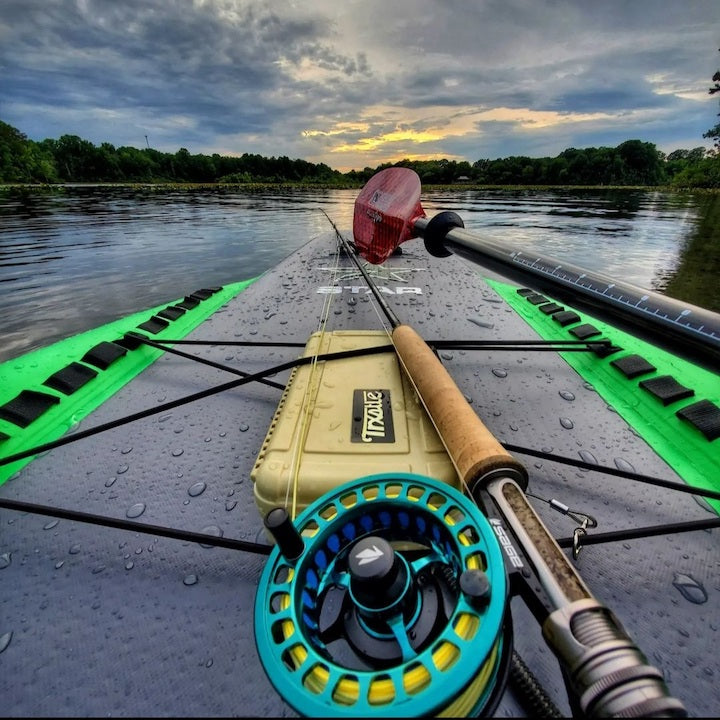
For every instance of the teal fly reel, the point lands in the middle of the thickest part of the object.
(386, 596)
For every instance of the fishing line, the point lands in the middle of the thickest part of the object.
(521, 670)
(308, 403)
(389, 314)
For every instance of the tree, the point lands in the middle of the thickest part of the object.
(22, 160)
(714, 132)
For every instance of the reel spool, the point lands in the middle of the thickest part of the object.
(387, 596)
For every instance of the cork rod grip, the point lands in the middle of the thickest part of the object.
(473, 448)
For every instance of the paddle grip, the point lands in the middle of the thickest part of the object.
(474, 450)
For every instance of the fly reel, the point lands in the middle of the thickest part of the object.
(386, 597)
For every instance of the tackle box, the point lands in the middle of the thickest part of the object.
(339, 420)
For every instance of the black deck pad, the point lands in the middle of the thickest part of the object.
(705, 416)
(27, 406)
(71, 378)
(104, 354)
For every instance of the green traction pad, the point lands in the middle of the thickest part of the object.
(651, 389)
(47, 392)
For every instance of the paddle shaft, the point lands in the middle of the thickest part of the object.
(687, 328)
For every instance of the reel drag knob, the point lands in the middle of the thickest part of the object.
(378, 576)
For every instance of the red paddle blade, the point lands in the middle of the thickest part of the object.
(385, 213)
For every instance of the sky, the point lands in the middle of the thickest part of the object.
(355, 83)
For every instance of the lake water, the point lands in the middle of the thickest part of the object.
(77, 257)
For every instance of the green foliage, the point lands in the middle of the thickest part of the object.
(631, 163)
(702, 174)
(714, 132)
(22, 160)
(72, 159)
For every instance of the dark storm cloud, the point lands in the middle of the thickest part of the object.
(317, 79)
(169, 57)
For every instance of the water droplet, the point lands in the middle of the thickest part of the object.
(514, 427)
(129, 565)
(135, 510)
(567, 423)
(446, 355)
(164, 418)
(110, 482)
(74, 549)
(126, 450)
(499, 372)
(690, 588)
(482, 323)
(547, 449)
(624, 465)
(209, 663)
(567, 395)
(197, 489)
(178, 429)
(190, 579)
(211, 530)
(122, 469)
(98, 569)
(59, 564)
(177, 452)
(703, 503)
(243, 427)
(207, 439)
(50, 525)
(588, 457)
(5, 559)
(230, 505)
(5, 640)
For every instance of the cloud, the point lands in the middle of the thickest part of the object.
(359, 82)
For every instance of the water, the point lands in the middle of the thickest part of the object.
(80, 256)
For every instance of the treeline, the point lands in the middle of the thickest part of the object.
(630, 163)
(72, 159)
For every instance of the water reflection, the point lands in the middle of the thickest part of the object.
(74, 258)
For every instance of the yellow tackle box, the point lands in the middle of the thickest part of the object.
(339, 420)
